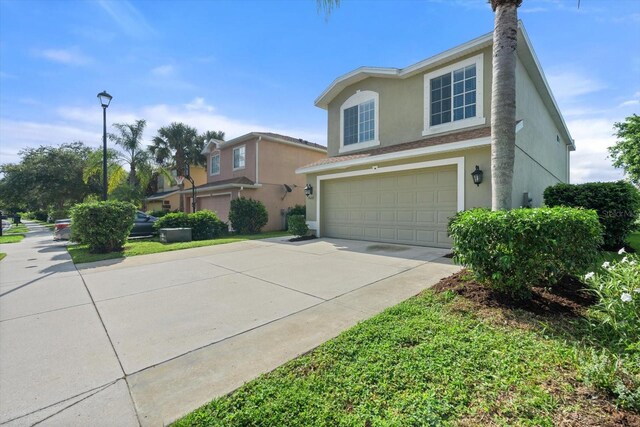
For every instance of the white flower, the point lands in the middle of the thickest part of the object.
(589, 275)
(637, 290)
(626, 297)
(606, 264)
(632, 262)
(622, 251)
(623, 260)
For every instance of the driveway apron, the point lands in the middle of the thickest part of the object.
(144, 340)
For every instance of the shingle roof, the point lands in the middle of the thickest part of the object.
(425, 142)
(242, 180)
(160, 194)
(290, 139)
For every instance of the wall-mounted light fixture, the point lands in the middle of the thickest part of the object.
(308, 190)
(477, 176)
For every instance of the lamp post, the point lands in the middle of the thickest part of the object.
(105, 100)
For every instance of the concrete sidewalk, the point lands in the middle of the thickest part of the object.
(171, 331)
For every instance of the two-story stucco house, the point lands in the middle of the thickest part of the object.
(402, 144)
(260, 166)
(168, 195)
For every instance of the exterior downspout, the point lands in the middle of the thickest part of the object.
(258, 160)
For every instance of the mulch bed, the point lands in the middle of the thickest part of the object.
(566, 298)
(302, 238)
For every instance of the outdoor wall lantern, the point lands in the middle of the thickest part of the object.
(477, 176)
(308, 190)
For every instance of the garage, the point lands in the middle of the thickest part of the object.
(409, 207)
(219, 203)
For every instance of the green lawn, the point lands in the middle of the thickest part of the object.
(16, 229)
(80, 254)
(634, 240)
(46, 224)
(11, 238)
(2, 255)
(431, 360)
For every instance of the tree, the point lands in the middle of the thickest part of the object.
(503, 101)
(212, 134)
(47, 178)
(503, 97)
(130, 139)
(116, 174)
(626, 151)
(177, 146)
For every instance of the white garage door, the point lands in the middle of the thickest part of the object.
(219, 204)
(411, 207)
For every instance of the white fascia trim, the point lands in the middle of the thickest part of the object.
(363, 72)
(571, 142)
(478, 120)
(215, 195)
(442, 148)
(458, 161)
(222, 187)
(269, 138)
(164, 196)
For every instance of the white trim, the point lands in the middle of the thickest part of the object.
(478, 120)
(244, 147)
(458, 161)
(356, 99)
(229, 193)
(222, 187)
(399, 155)
(211, 156)
(257, 159)
(251, 135)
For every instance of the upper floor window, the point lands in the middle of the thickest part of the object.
(453, 96)
(238, 157)
(215, 164)
(359, 120)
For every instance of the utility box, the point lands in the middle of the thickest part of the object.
(170, 235)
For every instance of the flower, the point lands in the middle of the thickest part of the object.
(606, 264)
(623, 260)
(626, 297)
(589, 275)
(622, 251)
(637, 290)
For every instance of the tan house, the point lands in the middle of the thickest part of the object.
(403, 143)
(168, 196)
(260, 166)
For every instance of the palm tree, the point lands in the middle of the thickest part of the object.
(177, 146)
(503, 97)
(212, 134)
(130, 139)
(503, 101)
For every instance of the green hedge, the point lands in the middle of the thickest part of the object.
(617, 204)
(297, 225)
(103, 226)
(248, 216)
(514, 250)
(204, 224)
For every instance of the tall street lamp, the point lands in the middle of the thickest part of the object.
(105, 100)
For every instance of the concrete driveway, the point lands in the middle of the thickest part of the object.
(146, 339)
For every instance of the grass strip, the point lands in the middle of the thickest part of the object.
(80, 253)
(11, 238)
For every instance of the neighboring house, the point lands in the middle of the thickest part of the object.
(168, 195)
(260, 166)
(402, 144)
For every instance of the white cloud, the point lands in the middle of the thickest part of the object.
(74, 124)
(71, 56)
(590, 161)
(568, 85)
(128, 18)
(163, 70)
(630, 102)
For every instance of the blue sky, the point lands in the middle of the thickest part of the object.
(242, 66)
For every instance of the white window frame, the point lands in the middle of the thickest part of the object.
(216, 154)
(233, 157)
(478, 120)
(358, 98)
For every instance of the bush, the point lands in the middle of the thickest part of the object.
(617, 204)
(297, 210)
(103, 226)
(56, 214)
(248, 216)
(37, 215)
(206, 225)
(159, 213)
(514, 250)
(298, 225)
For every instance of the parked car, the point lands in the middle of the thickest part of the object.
(142, 226)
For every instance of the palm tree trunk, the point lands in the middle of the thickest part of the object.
(503, 102)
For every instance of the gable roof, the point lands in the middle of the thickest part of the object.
(275, 137)
(525, 52)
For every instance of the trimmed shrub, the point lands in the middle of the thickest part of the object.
(617, 204)
(297, 210)
(173, 220)
(514, 250)
(159, 213)
(103, 226)
(206, 225)
(248, 216)
(298, 225)
(37, 215)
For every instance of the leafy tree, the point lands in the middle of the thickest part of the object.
(130, 139)
(212, 134)
(626, 151)
(116, 175)
(47, 177)
(176, 146)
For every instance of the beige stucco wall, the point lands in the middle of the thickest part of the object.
(474, 196)
(401, 105)
(541, 160)
(226, 163)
